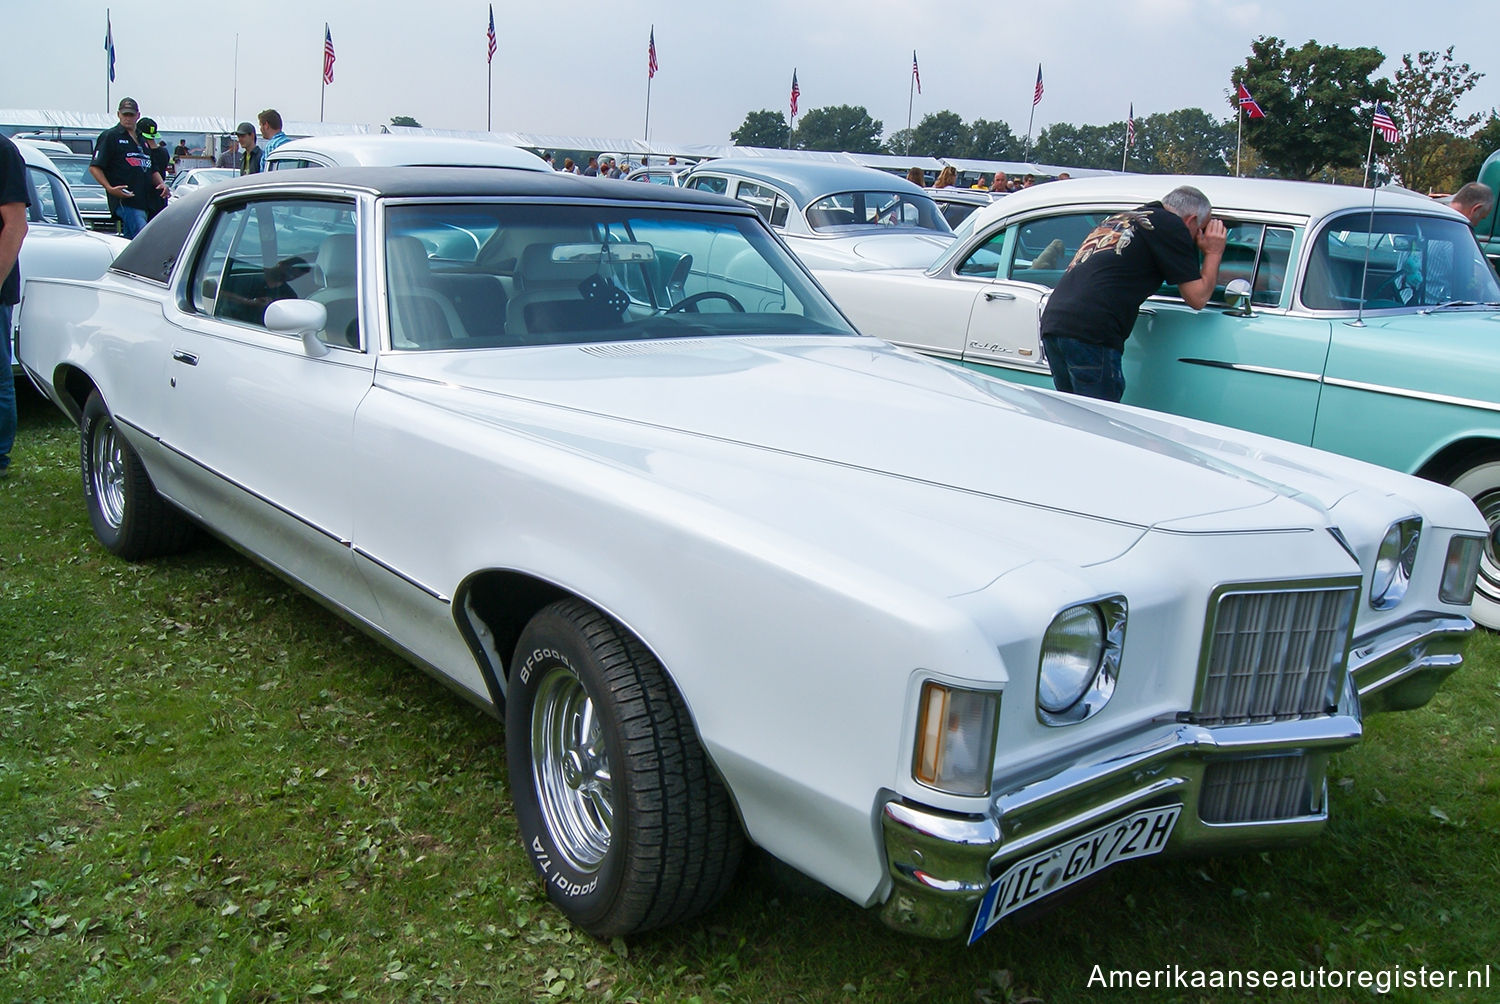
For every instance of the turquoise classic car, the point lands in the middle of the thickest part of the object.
(1362, 322)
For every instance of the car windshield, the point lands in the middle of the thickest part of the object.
(75, 171)
(858, 209)
(1396, 260)
(480, 276)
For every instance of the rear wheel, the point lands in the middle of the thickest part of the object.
(1481, 482)
(621, 812)
(130, 519)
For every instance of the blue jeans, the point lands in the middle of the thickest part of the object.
(131, 220)
(7, 390)
(1085, 369)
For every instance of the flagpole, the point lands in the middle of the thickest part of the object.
(489, 96)
(234, 94)
(1369, 156)
(1029, 121)
(1239, 130)
(1126, 155)
(323, 74)
(109, 40)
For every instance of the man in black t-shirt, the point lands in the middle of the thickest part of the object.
(123, 166)
(1122, 262)
(13, 203)
(161, 161)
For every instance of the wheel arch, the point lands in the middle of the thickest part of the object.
(72, 387)
(1457, 457)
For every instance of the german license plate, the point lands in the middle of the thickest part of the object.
(1138, 835)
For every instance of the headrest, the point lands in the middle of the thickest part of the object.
(406, 260)
(337, 260)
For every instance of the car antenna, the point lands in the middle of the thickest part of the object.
(1359, 318)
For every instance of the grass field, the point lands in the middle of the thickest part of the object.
(213, 790)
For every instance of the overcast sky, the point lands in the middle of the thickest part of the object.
(579, 67)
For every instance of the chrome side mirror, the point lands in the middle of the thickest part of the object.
(303, 318)
(1237, 296)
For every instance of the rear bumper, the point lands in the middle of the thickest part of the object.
(941, 864)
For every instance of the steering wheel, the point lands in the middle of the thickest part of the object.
(691, 303)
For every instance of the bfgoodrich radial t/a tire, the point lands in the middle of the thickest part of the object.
(620, 810)
(1481, 482)
(130, 519)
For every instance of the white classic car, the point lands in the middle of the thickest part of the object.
(605, 459)
(833, 215)
(57, 244)
(388, 150)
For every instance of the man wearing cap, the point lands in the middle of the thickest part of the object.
(250, 154)
(161, 161)
(123, 166)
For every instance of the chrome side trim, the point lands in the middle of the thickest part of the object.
(1415, 395)
(1245, 368)
(401, 575)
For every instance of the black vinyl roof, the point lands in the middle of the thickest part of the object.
(154, 251)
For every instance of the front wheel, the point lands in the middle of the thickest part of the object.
(1481, 483)
(130, 519)
(621, 812)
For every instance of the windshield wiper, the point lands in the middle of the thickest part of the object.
(1460, 305)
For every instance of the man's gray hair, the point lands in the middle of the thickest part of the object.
(1475, 194)
(1185, 201)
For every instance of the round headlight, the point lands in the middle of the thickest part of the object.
(1394, 563)
(1071, 651)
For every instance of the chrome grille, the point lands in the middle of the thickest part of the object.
(1247, 791)
(1275, 655)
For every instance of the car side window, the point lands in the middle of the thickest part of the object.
(279, 249)
(1389, 260)
(48, 206)
(985, 261)
(1045, 246)
(771, 205)
(710, 183)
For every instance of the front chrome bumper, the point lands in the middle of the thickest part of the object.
(1402, 667)
(941, 864)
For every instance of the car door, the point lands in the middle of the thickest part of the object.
(1261, 371)
(260, 425)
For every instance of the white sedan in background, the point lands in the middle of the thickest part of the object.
(57, 243)
(833, 215)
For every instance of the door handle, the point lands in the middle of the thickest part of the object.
(184, 357)
(994, 294)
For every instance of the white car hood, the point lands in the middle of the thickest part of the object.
(864, 406)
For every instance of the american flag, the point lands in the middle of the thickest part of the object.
(1130, 127)
(109, 45)
(1036, 95)
(328, 56)
(796, 93)
(1249, 104)
(1383, 122)
(491, 35)
(651, 65)
(915, 73)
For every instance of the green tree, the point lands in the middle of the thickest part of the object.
(762, 128)
(993, 141)
(1483, 143)
(900, 141)
(838, 127)
(1427, 92)
(1318, 101)
(1068, 145)
(940, 134)
(405, 120)
(1187, 141)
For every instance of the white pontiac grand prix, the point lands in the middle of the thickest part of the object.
(606, 460)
